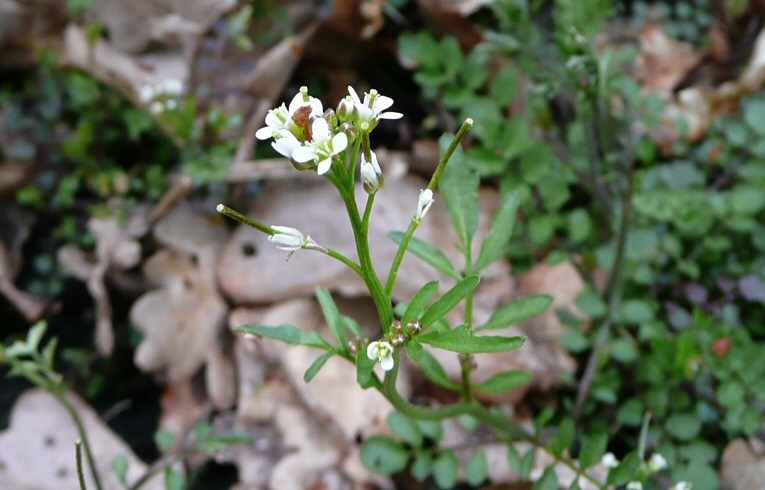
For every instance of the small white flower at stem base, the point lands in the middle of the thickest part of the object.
(382, 352)
(634, 485)
(424, 203)
(682, 485)
(371, 174)
(657, 463)
(609, 460)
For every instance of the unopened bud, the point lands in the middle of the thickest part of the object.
(414, 327)
(398, 340)
(396, 327)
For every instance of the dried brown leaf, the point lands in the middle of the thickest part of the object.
(182, 320)
(37, 450)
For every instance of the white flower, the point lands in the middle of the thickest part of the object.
(682, 485)
(381, 351)
(323, 146)
(609, 460)
(370, 110)
(634, 485)
(424, 203)
(146, 93)
(657, 463)
(371, 174)
(288, 239)
(285, 142)
(283, 117)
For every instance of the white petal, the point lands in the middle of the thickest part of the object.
(272, 119)
(390, 115)
(320, 130)
(372, 350)
(339, 142)
(324, 166)
(382, 102)
(264, 133)
(286, 145)
(387, 363)
(303, 154)
(316, 106)
(354, 95)
(296, 102)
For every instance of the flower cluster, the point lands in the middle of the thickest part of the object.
(313, 138)
(161, 97)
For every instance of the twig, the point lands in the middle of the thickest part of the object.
(611, 293)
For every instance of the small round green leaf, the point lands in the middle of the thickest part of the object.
(477, 468)
(383, 455)
(445, 469)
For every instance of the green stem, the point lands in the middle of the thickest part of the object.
(78, 455)
(394, 267)
(449, 152)
(61, 397)
(342, 258)
(236, 215)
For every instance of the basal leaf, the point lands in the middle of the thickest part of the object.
(384, 455)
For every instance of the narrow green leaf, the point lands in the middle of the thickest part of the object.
(448, 301)
(49, 352)
(364, 371)
(435, 372)
(174, 480)
(462, 340)
(428, 254)
(516, 311)
(445, 469)
(414, 350)
(549, 480)
(593, 450)
(319, 363)
(477, 468)
(383, 455)
(120, 466)
(459, 189)
(564, 439)
(625, 471)
(504, 381)
(420, 302)
(35, 334)
(287, 333)
(527, 464)
(332, 316)
(493, 247)
(405, 428)
(352, 325)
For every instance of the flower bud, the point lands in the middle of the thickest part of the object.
(345, 109)
(413, 327)
(424, 203)
(398, 340)
(371, 174)
(396, 327)
(350, 131)
(331, 118)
